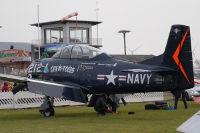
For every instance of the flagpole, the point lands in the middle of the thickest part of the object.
(38, 31)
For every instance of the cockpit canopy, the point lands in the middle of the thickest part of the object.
(77, 51)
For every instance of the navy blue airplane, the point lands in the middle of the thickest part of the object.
(76, 71)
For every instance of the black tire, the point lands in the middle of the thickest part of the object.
(151, 107)
(46, 114)
(49, 112)
(100, 105)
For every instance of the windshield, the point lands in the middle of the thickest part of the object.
(57, 54)
(90, 52)
(77, 51)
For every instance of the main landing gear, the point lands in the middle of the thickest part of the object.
(103, 104)
(46, 108)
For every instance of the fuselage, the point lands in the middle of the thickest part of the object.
(103, 74)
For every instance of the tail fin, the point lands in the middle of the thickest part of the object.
(178, 55)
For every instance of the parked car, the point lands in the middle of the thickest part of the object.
(193, 92)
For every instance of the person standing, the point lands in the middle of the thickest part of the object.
(5, 87)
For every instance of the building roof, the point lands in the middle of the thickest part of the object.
(16, 45)
(66, 21)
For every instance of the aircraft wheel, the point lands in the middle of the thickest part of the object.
(49, 112)
(100, 105)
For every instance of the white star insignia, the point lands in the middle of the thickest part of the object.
(111, 78)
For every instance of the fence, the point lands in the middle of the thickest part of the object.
(30, 100)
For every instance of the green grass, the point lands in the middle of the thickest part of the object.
(85, 120)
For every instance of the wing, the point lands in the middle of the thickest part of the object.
(13, 78)
(191, 125)
(69, 91)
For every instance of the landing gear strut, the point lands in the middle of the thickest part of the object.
(46, 108)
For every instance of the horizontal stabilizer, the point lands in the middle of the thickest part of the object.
(148, 70)
(191, 125)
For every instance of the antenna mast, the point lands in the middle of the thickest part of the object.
(97, 18)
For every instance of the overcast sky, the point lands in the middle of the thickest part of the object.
(148, 20)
